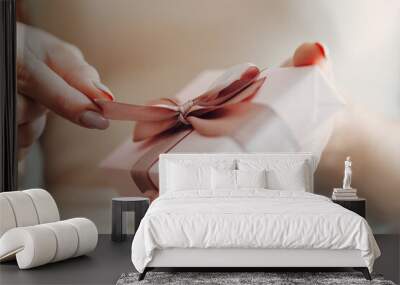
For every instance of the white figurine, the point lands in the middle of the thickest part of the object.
(347, 174)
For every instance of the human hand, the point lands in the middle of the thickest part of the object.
(53, 75)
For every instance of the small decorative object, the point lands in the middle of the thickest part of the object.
(347, 192)
(347, 173)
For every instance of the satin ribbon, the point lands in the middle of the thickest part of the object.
(168, 114)
(166, 122)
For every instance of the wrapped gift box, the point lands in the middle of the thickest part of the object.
(293, 111)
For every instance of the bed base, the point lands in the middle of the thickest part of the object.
(363, 270)
(250, 259)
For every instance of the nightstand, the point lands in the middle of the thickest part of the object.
(120, 205)
(357, 206)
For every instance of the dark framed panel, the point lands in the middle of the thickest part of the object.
(357, 206)
(8, 140)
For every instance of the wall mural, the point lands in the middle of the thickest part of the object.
(178, 83)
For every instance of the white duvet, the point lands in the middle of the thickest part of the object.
(250, 219)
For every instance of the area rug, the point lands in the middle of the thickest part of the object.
(243, 278)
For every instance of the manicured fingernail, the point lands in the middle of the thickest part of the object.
(323, 49)
(93, 120)
(104, 89)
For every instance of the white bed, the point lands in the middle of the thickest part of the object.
(199, 226)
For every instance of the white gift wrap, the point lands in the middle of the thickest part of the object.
(301, 103)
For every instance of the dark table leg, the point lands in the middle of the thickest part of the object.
(364, 271)
(116, 234)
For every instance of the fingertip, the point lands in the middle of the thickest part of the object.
(309, 54)
(250, 73)
(105, 91)
(323, 49)
(93, 120)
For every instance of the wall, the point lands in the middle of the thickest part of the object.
(150, 49)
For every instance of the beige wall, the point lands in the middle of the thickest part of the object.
(149, 49)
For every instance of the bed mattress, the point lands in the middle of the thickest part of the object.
(250, 219)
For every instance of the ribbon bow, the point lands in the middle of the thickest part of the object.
(239, 84)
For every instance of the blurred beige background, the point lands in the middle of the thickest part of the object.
(150, 49)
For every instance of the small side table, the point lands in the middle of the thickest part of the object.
(357, 206)
(139, 205)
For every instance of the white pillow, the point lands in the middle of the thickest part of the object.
(223, 179)
(251, 178)
(235, 179)
(282, 174)
(181, 177)
(287, 179)
(193, 174)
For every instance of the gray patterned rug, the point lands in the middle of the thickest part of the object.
(243, 278)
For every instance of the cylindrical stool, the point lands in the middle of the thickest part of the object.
(139, 205)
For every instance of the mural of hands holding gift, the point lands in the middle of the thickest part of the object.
(53, 74)
(295, 106)
(241, 109)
